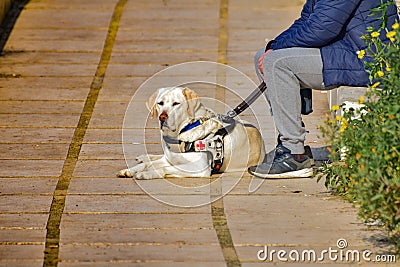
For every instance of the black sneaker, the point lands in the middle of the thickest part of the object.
(283, 165)
(308, 151)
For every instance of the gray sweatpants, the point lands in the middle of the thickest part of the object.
(286, 72)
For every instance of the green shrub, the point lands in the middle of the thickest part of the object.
(366, 142)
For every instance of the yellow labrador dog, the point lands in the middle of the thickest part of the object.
(192, 139)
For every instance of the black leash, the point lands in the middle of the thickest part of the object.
(305, 95)
(245, 103)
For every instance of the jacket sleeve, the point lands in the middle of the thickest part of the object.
(321, 27)
(305, 14)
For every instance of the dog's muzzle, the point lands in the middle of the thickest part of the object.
(163, 118)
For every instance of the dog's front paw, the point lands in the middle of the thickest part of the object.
(148, 175)
(125, 173)
(142, 158)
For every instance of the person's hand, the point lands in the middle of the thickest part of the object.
(261, 59)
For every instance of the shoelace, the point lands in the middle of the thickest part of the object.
(280, 153)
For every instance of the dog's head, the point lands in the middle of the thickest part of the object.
(174, 107)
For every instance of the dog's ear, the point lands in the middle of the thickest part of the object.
(151, 104)
(192, 99)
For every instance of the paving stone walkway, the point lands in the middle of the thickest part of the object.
(69, 71)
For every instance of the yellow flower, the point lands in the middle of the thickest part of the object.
(361, 54)
(373, 150)
(380, 73)
(335, 108)
(345, 123)
(395, 26)
(337, 118)
(375, 84)
(388, 69)
(375, 34)
(358, 155)
(361, 100)
(392, 39)
(390, 34)
(391, 116)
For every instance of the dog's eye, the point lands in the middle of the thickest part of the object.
(161, 103)
(175, 104)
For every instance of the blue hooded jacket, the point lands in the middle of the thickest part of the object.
(336, 27)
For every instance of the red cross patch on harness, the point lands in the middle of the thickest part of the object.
(200, 145)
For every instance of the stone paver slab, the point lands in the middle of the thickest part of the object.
(33, 151)
(25, 254)
(22, 235)
(57, 34)
(63, 70)
(23, 107)
(101, 151)
(104, 186)
(110, 107)
(30, 168)
(36, 135)
(98, 168)
(164, 45)
(124, 204)
(48, 85)
(17, 57)
(19, 186)
(23, 221)
(129, 186)
(166, 59)
(138, 221)
(144, 237)
(38, 120)
(282, 187)
(161, 253)
(76, 4)
(23, 203)
(67, 19)
(57, 45)
(49, 94)
(113, 136)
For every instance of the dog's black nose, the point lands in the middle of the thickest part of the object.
(163, 116)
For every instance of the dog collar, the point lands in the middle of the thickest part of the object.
(190, 126)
